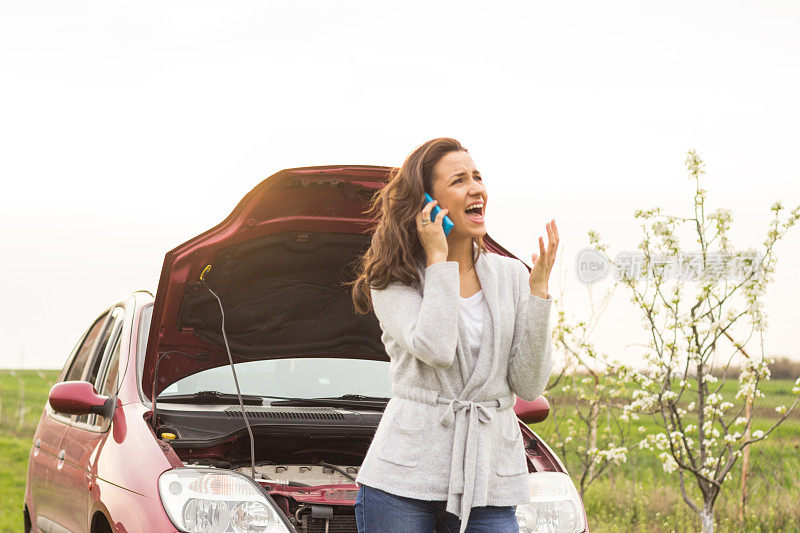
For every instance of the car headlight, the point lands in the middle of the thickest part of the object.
(217, 501)
(554, 507)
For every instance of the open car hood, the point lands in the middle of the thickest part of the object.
(278, 263)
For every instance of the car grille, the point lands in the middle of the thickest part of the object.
(344, 523)
(284, 414)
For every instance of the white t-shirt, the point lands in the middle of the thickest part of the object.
(473, 309)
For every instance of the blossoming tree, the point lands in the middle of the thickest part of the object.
(588, 418)
(701, 433)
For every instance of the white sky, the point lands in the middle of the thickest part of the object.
(128, 127)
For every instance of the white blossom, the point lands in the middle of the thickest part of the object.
(733, 437)
(668, 462)
(746, 390)
(617, 455)
(639, 393)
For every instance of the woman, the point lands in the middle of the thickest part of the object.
(465, 331)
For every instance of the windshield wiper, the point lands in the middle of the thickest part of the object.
(362, 397)
(211, 397)
(356, 401)
(217, 397)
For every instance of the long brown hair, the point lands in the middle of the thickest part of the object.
(396, 252)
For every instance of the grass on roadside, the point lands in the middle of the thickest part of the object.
(639, 496)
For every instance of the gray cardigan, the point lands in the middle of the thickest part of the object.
(449, 432)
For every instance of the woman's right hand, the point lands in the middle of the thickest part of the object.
(432, 236)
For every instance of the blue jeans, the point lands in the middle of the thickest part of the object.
(378, 511)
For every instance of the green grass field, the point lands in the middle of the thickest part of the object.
(635, 496)
(639, 496)
(23, 394)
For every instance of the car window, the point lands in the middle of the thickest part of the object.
(102, 343)
(102, 356)
(79, 362)
(311, 377)
(109, 385)
(107, 382)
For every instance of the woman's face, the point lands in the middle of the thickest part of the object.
(457, 185)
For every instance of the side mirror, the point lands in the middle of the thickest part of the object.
(79, 398)
(532, 412)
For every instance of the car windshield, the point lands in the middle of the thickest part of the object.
(310, 377)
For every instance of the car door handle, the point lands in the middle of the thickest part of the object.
(62, 454)
(37, 443)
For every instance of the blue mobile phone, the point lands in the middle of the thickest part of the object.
(447, 224)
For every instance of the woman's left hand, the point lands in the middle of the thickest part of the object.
(543, 261)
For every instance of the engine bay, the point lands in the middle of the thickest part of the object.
(306, 459)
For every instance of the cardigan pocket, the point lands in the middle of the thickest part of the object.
(402, 446)
(511, 459)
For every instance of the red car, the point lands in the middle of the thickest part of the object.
(144, 430)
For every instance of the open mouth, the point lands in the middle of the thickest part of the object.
(474, 213)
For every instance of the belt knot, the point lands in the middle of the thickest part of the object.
(454, 405)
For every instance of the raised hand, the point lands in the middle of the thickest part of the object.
(543, 261)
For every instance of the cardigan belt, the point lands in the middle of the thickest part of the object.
(466, 416)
